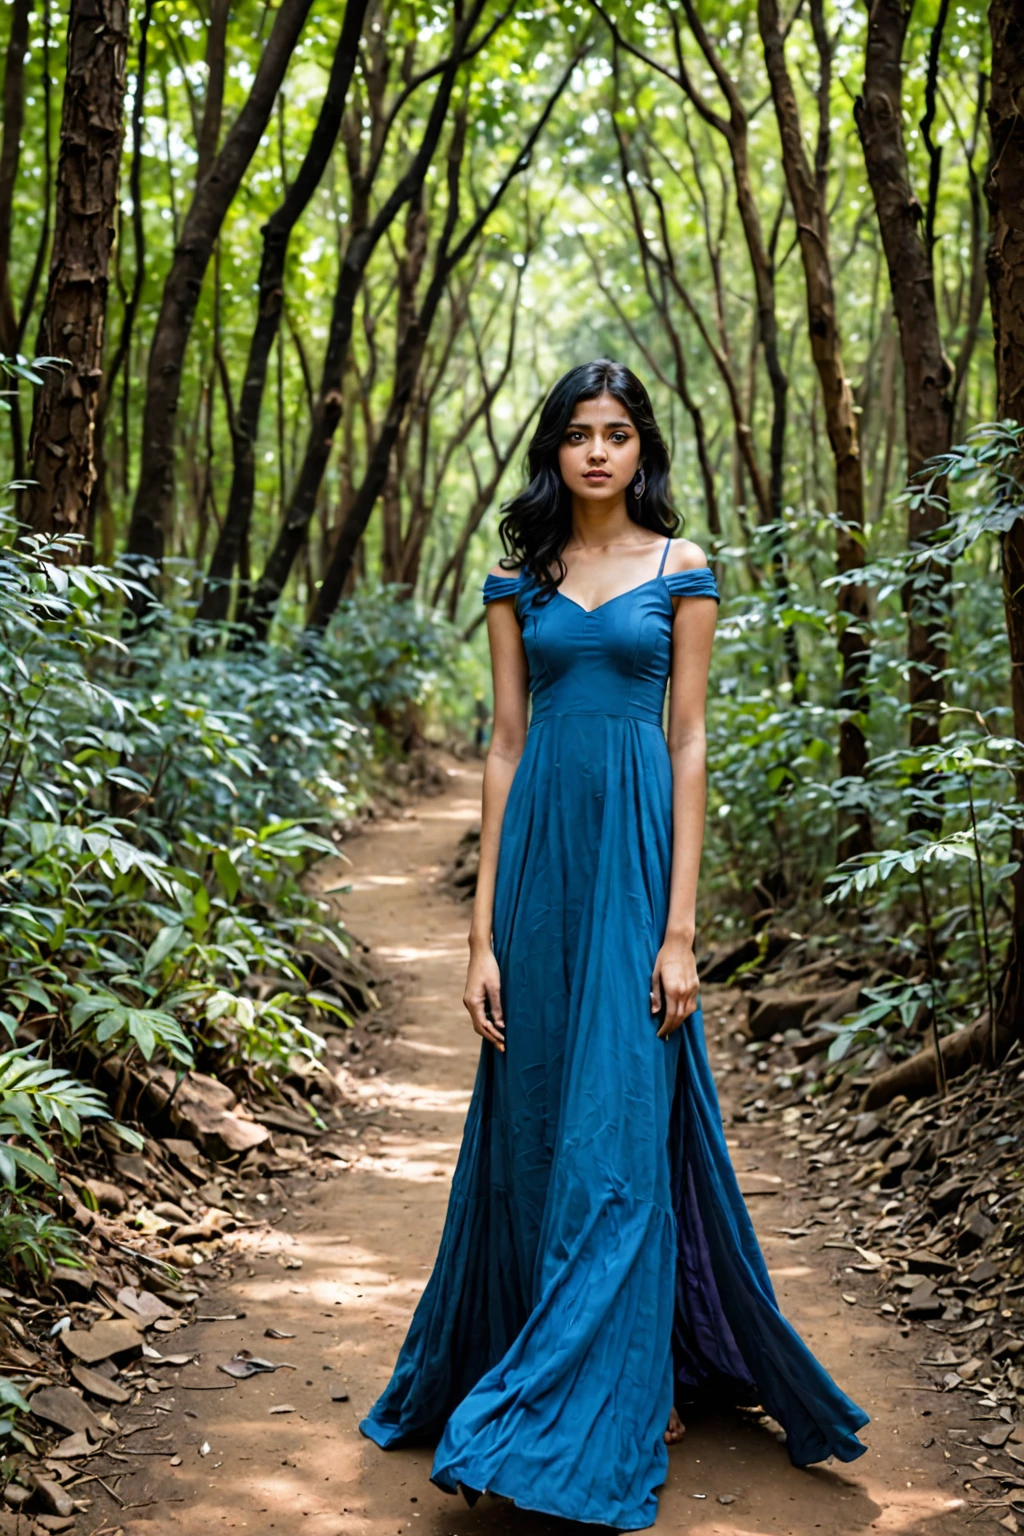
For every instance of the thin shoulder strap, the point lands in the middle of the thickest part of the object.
(664, 552)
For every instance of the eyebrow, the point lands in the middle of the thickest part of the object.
(609, 424)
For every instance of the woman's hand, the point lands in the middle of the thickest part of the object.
(483, 985)
(674, 979)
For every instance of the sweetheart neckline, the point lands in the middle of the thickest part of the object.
(629, 590)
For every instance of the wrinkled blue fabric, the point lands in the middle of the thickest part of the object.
(597, 1260)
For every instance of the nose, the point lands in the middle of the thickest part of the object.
(598, 453)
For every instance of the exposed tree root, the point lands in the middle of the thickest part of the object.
(916, 1077)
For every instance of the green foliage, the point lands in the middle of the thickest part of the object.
(156, 817)
(36, 1098)
(775, 802)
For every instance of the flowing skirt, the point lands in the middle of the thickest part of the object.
(597, 1258)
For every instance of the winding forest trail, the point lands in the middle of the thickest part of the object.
(367, 1239)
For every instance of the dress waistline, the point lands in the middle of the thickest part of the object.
(634, 712)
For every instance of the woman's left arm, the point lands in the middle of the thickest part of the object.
(675, 971)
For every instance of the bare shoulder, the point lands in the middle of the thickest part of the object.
(499, 570)
(684, 555)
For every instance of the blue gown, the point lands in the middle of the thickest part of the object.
(597, 1260)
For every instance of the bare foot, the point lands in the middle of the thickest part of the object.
(676, 1429)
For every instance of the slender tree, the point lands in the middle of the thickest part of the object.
(100, 510)
(927, 374)
(213, 100)
(807, 185)
(154, 499)
(276, 236)
(10, 154)
(1004, 188)
(363, 240)
(415, 321)
(92, 128)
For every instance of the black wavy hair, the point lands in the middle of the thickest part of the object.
(535, 525)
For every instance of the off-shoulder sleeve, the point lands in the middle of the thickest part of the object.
(698, 583)
(500, 586)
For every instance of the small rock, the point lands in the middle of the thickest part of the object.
(52, 1496)
(923, 1302)
(61, 1406)
(727, 1498)
(98, 1385)
(996, 1437)
(103, 1341)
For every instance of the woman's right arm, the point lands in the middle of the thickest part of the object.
(510, 676)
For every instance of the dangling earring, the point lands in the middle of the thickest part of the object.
(640, 483)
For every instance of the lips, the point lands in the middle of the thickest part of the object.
(596, 474)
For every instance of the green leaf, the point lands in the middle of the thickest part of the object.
(165, 942)
(226, 873)
(11, 1397)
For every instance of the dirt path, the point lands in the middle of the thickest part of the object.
(366, 1241)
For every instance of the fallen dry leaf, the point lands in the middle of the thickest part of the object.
(245, 1364)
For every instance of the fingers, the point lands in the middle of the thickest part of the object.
(678, 1009)
(656, 992)
(495, 1025)
(488, 1028)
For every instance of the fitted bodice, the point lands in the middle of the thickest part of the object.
(611, 660)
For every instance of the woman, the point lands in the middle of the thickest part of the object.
(597, 1260)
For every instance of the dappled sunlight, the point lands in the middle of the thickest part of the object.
(404, 1094)
(405, 954)
(368, 882)
(425, 1047)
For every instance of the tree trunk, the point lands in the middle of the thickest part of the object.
(276, 235)
(213, 103)
(805, 192)
(92, 129)
(154, 499)
(1004, 188)
(122, 353)
(927, 375)
(10, 153)
(327, 414)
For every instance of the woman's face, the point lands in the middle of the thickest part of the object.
(600, 451)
